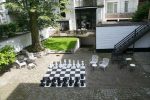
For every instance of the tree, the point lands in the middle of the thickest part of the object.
(40, 13)
(142, 12)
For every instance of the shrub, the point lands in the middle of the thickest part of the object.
(142, 12)
(7, 56)
(8, 29)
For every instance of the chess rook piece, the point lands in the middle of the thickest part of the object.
(77, 79)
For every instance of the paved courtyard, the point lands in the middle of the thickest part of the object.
(113, 84)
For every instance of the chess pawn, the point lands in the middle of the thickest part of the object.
(56, 64)
(70, 82)
(65, 62)
(53, 83)
(82, 63)
(73, 65)
(51, 66)
(42, 84)
(78, 64)
(73, 62)
(60, 64)
(69, 61)
(59, 82)
(82, 83)
(64, 84)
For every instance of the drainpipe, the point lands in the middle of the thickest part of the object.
(149, 16)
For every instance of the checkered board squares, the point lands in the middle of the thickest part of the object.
(65, 72)
(66, 77)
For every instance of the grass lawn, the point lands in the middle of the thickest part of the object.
(60, 43)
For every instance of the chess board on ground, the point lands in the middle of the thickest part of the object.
(64, 77)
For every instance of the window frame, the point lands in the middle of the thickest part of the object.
(126, 6)
(113, 7)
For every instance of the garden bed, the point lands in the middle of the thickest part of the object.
(61, 44)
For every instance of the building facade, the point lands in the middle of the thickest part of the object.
(4, 17)
(88, 13)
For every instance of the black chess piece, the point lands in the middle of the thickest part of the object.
(70, 82)
(82, 83)
(77, 79)
(58, 81)
(47, 83)
(76, 84)
(42, 84)
(54, 79)
(64, 84)
(82, 76)
(53, 84)
(64, 79)
(45, 79)
(42, 81)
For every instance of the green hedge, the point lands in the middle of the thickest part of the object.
(7, 57)
(8, 29)
(142, 12)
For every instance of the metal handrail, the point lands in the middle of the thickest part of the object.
(132, 34)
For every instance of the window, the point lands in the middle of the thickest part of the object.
(126, 6)
(112, 7)
(62, 8)
(1, 8)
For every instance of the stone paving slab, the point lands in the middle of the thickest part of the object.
(146, 68)
(113, 84)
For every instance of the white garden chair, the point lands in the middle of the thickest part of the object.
(94, 59)
(20, 64)
(31, 56)
(103, 64)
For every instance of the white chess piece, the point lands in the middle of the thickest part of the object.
(65, 63)
(78, 64)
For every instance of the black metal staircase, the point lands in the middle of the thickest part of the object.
(130, 39)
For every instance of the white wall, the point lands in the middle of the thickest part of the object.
(71, 15)
(107, 37)
(18, 42)
(47, 32)
(22, 41)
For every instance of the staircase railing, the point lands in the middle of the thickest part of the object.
(137, 33)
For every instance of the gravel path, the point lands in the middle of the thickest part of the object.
(114, 84)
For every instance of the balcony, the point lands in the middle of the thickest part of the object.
(85, 3)
(118, 16)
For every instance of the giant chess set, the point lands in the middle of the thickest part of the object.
(63, 74)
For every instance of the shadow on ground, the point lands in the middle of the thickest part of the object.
(29, 91)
